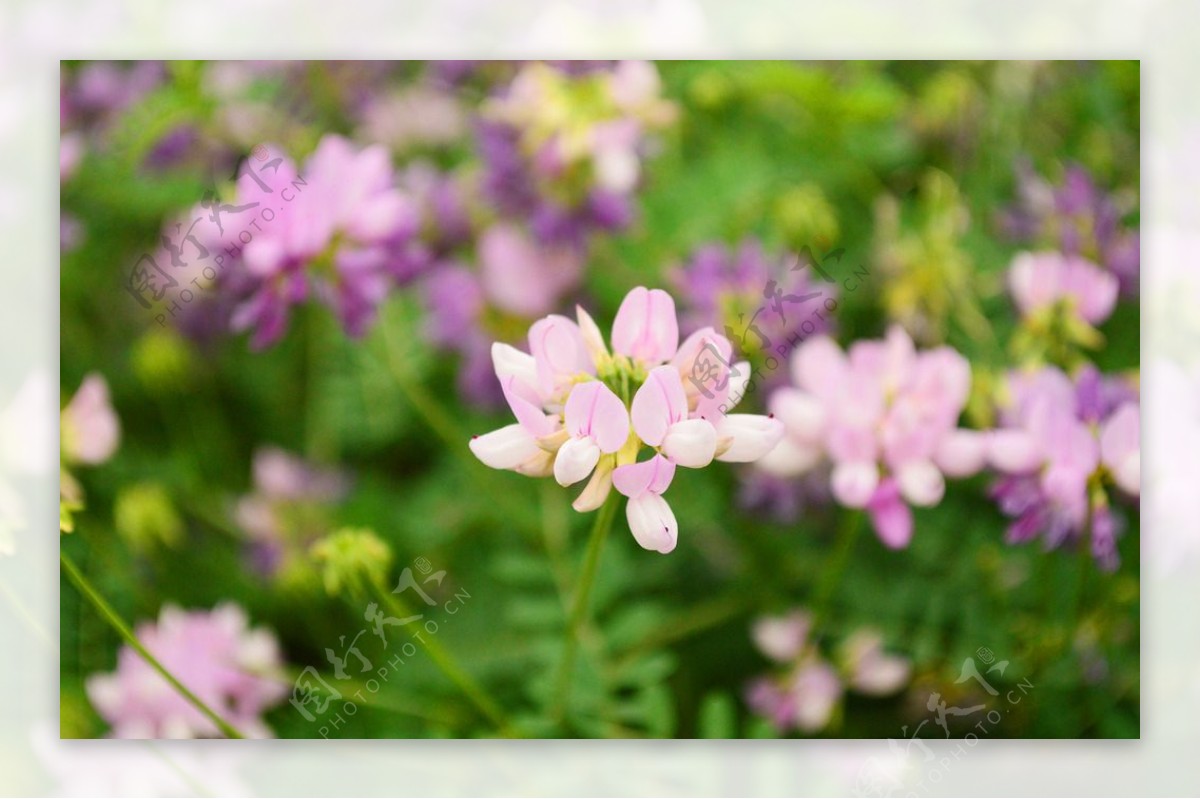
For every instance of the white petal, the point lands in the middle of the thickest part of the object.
(854, 482)
(511, 362)
(739, 378)
(801, 413)
(593, 339)
(789, 458)
(506, 448)
(1128, 473)
(691, 443)
(921, 483)
(539, 465)
(752, 436)
(652, 523)
(575, 460)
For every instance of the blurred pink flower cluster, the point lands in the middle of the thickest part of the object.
(1063, 446)
(286, 511)
(886, 417)
(806, 689)
(232, 668)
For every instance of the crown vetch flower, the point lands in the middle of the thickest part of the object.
(337, 232)
(233, 669)
(1038, 281)
(584, 413)
(804, 688)
(1077, 218)
(1061, 444)
(886, 417)
(90, 428)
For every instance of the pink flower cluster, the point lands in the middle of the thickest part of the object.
(285, 513)
(233, 669)
(804, 694)
(582, 411)
(1040, 281)
(90, 428)
(885, 416)
(1060, 444)
(336, 232)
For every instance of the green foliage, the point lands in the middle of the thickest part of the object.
(902, 164)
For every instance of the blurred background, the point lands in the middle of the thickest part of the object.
(242, 445)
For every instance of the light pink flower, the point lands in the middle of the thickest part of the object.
(90, 428)
(232, 668)
(1120, 448)
(869, 669)
(885, 416)
(1056, 433)
(573, 423)
(523, 277)
(1039, 280)
(805, 692)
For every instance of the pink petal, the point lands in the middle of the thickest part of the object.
(819, 366)
(704, 363)
(594, 411)
(961, 453)
(646, 328)
(1120, 448)
(782, 637)
(891, 518)
(853, 483)
(527, 408)
(658, 404)
(1013, 451)
(646, 477)
(559, 351)
(652, 523)
(816, 691)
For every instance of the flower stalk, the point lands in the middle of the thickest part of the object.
(122, 629)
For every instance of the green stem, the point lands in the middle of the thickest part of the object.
(98, 602)
(448, 665)
(831, 574)
(441, 422)
(579, 607)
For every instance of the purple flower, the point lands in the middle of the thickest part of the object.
(756, 298)
(565, 148)
(1059, 444)
(286, 511)
(1076, 218)
(235, 670)
(330, 234)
